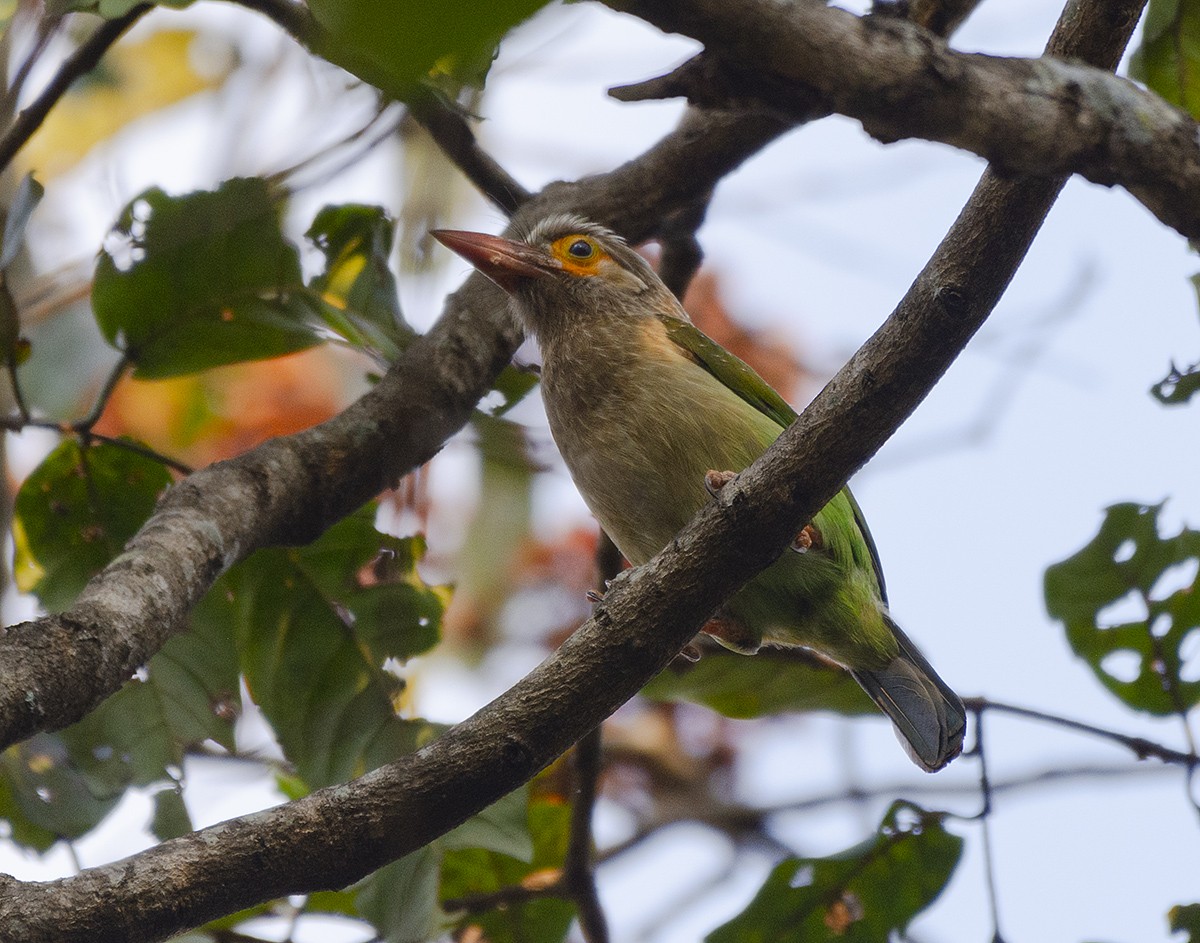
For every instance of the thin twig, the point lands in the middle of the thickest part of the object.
(46, 27)
(80, 62)
(509, 896)
(138, 448)
(106, 391)
(1140, 746)
(449, 129)
(985, 821)
(681, 251)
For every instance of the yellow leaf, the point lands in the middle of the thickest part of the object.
(134, 79)
(26, 570)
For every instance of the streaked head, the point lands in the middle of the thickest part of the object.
(563, 268)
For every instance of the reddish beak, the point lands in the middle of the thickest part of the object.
(504, 261)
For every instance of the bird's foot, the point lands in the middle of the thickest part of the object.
(733, 634)
(715, 480)
(595, 595)
(808, 539)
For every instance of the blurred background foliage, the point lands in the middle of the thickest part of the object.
(151, 329)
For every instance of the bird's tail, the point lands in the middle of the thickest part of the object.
(929, 717)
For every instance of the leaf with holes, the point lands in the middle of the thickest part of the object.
(137, 737)
(1130, 602)
(357, 291)
(314, 627)
(75, 513)
(866, 894)
(202, 280)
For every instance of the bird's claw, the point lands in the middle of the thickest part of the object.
(808, 539)
(715, 480)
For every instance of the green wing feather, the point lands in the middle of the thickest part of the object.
(739, 376)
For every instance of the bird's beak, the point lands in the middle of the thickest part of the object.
(504, 261)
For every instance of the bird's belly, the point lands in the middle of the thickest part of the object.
(640, 456)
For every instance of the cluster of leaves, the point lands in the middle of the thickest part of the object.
(315, 635)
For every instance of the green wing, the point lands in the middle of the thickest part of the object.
(740, 377)
(732, 371)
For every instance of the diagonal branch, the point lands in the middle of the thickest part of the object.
(337, 835)
(1041, 117)
(81, 62)
(56, 669)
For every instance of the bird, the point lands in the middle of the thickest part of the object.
(652, 418)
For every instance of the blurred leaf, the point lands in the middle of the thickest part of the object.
(171, 817)
(109, 9)
(359, 296)
(1178, 386)
(314, 627)
(134, 79)
(513, 385)
(772, 681)
(394, 47)
(863, 895)
(478, 871)
(502, 827)
(1168, 59)
(45, 796)
(1185, 918)
(24, 201)
(75, 513)
(400, 899)
(202, 280)
(1123, 564)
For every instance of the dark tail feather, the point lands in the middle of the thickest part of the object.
(929, 717)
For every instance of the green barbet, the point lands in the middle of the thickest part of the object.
(652, 417)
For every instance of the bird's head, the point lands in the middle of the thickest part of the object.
(562, 270)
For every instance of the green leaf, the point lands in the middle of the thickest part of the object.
(1185, 918)
(109, 9)
(75, 513)
(1168, 59)
(1124, 563)
(400, 899)
(477, 871)
(863, 895)
(24, 201)
(770, 682)
(394, 46)
(502, 827)
(202, 280)
(171, 817)
(513, 384)
(1178, 386)
(47, 796)
(357, 291)
(314, 627)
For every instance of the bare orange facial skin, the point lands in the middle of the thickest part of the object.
(580, 254)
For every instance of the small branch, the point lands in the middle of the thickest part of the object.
(294, 18)
(681, 251)
(1139, 746)
(1041, 117)
(114, 377)
(81, 62)
(511, 896)
(449, 129)
(138, 449)
(984, 818)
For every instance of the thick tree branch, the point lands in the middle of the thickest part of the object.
(337, 835)
(1041, 117)
(54, 670)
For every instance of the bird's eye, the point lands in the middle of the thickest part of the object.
(581, 249)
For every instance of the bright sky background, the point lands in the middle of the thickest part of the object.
(1006, 468)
